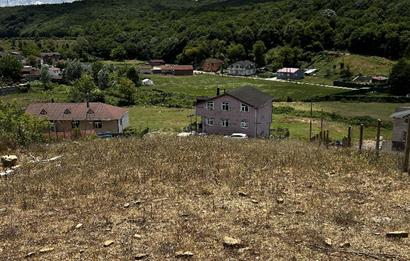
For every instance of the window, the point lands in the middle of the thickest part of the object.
(244, 107)
(225, 123)
(404, 136)
(75, 124)
(244, 124)
(210, 121)
(90, 111)
(97, 124)
(67, 111)
(225, 106)
(210, 105)
(43, 112)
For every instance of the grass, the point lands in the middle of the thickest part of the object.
(351, 109)
(188, 194)
(159, 118)
(206, 85)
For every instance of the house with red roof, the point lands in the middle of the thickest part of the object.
(91, 117)
(290, 74)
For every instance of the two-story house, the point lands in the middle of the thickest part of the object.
(242, 110)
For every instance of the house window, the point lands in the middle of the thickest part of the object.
(210, 105)
(244, 124)
(210, 121)
(225, 106)
(90, 111)
(97, 124)
(225, 123)
(244, 107)
(43, 112)
(404, 136)
(75, 124)
(67, 111)
(53, 126)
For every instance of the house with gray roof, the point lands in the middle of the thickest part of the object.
(242, 110)
(400, 124)
(242, 68)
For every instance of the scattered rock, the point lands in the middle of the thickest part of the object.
(243, 250)
(46, 250)
(243, 194)
(254, 201)
(232, 242)
(141, 256)
(181, 254)
(9, 161)
(345, 245)
(108, 243)
(79, 226)
(328, 242)
(2, 210)
(30, 254)
(127, 205)
(281, 213)
(381, 219)
(280, 200)
(397, 234)
(137, 236)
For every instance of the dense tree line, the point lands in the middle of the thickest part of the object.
(186, 31)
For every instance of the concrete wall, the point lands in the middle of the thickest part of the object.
(258, 120)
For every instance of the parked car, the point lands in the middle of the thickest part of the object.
(239, 136)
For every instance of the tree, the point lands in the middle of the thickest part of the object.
(95, 69)
(83, 89)
(73, 71)
(10, 68)
(236, 52)
(258, 51)
(103, 79)
(19, 128)
(399, 79)
(127, 90)
(45, 77)
(118, 53)
(283, 57)
(132, 74)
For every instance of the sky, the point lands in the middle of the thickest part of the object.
(31, 2)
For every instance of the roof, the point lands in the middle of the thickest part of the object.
(380, 78)
(243, 63)
(76, 111)
(250, 95)
(288, 70)
(213, 60)
(183, 68)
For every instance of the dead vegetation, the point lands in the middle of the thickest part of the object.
(203, 199)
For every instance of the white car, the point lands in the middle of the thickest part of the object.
(239, 136)
(185, 134)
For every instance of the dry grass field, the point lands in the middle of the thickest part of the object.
(159, 195)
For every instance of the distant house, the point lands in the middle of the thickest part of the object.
(242, 68)
(310, 72)
(380, 80)
(156, 62)
(50, 58)
(94, 116)
(177, 70)
(400, 122)
(30, 73)
(212, 65)
(183, 70)
(55, 73)
(290, 74)
(242, 110)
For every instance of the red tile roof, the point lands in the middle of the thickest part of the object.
(183, 68)
(76, 111)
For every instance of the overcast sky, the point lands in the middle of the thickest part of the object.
(31, 2)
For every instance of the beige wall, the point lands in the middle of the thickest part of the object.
(107, 126)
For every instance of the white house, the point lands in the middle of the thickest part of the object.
(290, 74)
(242, 68)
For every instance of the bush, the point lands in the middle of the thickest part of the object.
(18, 128)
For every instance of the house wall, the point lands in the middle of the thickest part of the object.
(258, 121)
(107, 126)
(241, 71)
(291, 76)
(399, 132)
(123, 123)
(183, 72)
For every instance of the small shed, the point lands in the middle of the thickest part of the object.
(147, 82)
(290, 74)
(400, 122)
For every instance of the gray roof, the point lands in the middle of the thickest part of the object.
(250, 96)
(243, 64)
(401, 113)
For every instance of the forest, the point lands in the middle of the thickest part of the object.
(187, 31)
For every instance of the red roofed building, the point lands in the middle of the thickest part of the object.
(182, 70)
(94, 116)
(212, 65)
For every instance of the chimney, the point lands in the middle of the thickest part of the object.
(52, 100)
(88, 104)
(218, 91)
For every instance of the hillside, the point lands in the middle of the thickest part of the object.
(158, 196)
(188, 31)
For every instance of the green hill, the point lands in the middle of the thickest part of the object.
(188, 31)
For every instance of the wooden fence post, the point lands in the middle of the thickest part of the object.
(361, 137)
(310, 129)
(378, 138)
(407, 150)
(327, 139)
(349, 137)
